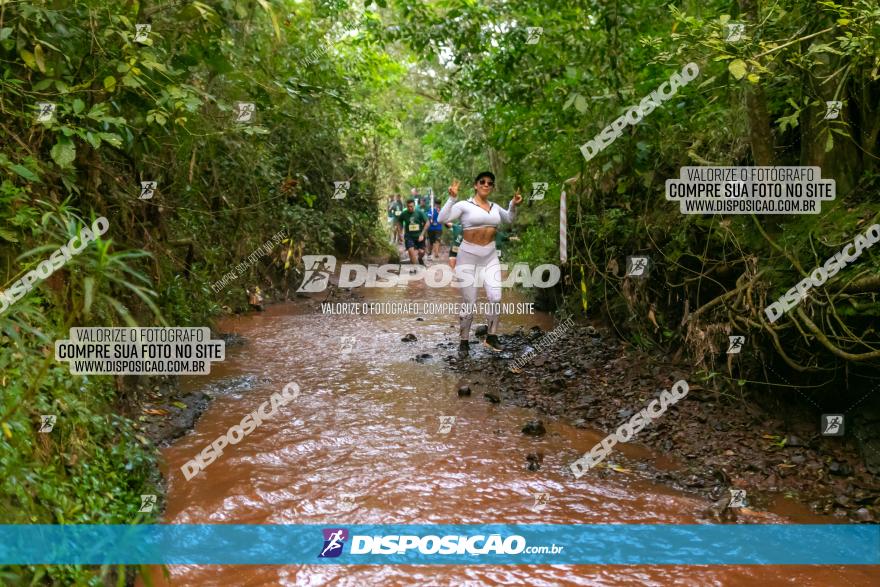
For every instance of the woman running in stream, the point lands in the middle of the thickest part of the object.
(476, 254)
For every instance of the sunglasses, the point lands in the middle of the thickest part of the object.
(486, 182)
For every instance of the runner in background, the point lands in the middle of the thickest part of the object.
(415, 225)
(390, 213)
(394, 210)
(457, 234)
(435, 231)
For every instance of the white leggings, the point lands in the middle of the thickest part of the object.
(479, 263)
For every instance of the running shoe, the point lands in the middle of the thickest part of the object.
(493, 343)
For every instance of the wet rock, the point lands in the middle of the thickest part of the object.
(864, 515)
(423, 357)
(569, 373)
(579, 423)
(836, 468)
(534, 428)
(420, 319)
(409, 338)
(534, 461)
(592, 331)
(182, 413)
(464, 391)
(492, 397)
(482, 330)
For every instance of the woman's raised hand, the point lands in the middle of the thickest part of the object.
(517, 198)
(453, 189)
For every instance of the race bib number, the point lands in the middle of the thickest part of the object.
(413, 227)
(455, 249)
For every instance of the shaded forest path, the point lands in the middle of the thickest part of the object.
(362, 444)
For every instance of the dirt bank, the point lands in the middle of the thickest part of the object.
(591, 379)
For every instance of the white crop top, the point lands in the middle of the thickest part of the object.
(472, 216)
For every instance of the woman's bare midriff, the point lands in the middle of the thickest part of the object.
(479, 236)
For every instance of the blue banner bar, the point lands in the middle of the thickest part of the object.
(506, 544)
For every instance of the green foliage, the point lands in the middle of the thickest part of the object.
(163, 110)
(522, 110)
(342, 91)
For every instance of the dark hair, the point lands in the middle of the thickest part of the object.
(488, 174)
(411, 201)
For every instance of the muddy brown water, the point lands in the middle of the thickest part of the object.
(361, 445)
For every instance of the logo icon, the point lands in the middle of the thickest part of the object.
(539, 190)
(244, 111)
(318, 270)
(737, 498)
(541, 501)
(47, 423)
(334, 540)
(147, 503)
(346, 344)
(832, 109)
(346, 502)
(148, 190)
(142, 32)
(637, 266)
(340, 189)
(735, 32)
(439, 113)
(45, 111)
(832, 424)
(534, 34)
(736, 344)
(446, 423)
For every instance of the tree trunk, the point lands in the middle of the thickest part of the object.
(760, 133)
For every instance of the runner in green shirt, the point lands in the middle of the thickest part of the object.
(457, 235)
(415, 225)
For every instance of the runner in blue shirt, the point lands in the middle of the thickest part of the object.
(435, 231)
